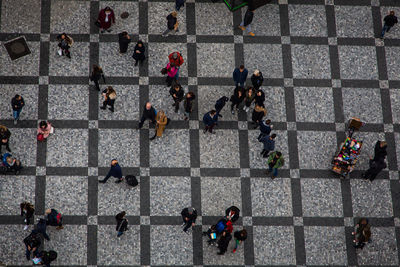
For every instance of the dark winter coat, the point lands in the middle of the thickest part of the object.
(122, 224)
(268, 143)
(240, 77)
(97, 75)
(123, 42)
(141, 55)
(208, 120)
(220, 104)
(257, 80)
(17, 104)
(33, 241)
(149, 114)
(188, 103)
(249, 98)
(380, 152)
(264, 128)
(115, 171)
(248, 17)
(178, 94)
(223, 242)
(234, 210)
(390, 20)
(192, 217)
(47, 257)
(375, 167)
(171, 21)
(260, 99)
(235, 98)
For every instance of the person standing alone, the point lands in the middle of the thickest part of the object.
(240, 75)
(389, 21)
(122, 223)
(17, 103)
(189, 216)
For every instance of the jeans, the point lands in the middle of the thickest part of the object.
(16, 113)
(385, 28)
(188, 225)
(167, 31)
(248, 28)
(119, 233)
(273, 170)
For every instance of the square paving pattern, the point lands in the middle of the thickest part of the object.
(322, 62)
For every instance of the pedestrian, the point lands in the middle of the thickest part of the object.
(138, 54)
(275, 161)
(248, 98)
(106, 18)
(109, 96)
(65, 43)
(44, 130)
(172, 23)
(269, 144)
(123, 39)
(220, 104)
(375, 167)
(32, 243)
(239, 236)
(177, 59)
(122, 223)
(161, 122)
(179, 4)
(96, 75)
(177, 93)
(27, 210)
(362, 233)
(380, 150)
(5, 135)
(237, 98)
(45, 257)
(240, 75)
(210, 119)
(223, 242)
(149, 113)
(260, 97)
(11, 163)
(232, 213)
(54, 218)
(41, 228)
(188, 104)
(248, 18)
(257, 79)
(189, 216)
(171, 73)
(17, 103)
(258, 113)
(389, 21)
(265, 128)
(115, 171)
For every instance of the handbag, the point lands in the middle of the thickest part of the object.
(97, 23)
(164, 71)
(59, 51)
(40, 137)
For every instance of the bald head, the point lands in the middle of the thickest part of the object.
(148, 105)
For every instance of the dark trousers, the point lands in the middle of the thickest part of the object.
(108, 176)
(109, 102)
(176, 104)
(145, 118)
(264, 153)
(169, 80)
(28, 253)
(369, 174)
(44, 234)
(27, 218)
(235, 104)
(6, 145)
(209, 128)
(188, 224)
(96, 82)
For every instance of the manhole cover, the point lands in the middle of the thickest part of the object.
(17, 48)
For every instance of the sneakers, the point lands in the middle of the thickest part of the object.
(184, 223)
(247, 109)
(59, 227)
(26, 227)
(25, 221)
(251, 33)
(111, 109)
(242, 28)
(102, 107)
(233, 112)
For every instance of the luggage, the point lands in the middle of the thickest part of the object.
(131, 180)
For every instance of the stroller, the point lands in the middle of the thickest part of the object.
(214, 231)
(10, 164)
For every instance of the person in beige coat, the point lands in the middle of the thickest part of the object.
(162, 121)
(109, 96)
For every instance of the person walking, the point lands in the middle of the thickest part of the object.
(247, 19)
(138, 54)
(265, 128)
(380, 150)
(237, 98)
(44, 130)
(109, 96)
(106, 18)
(189, 216)
(239, 236)
(161, 122)
(210, 119)
(149, 113)
(375, 167)
(64, 43)
(172, 23)
(240, 75)
(179, 4)
(41, 227)
(257, 79)
(258, 113)
(275, 161)
(248, 98)
(220, 104)
(188, 104)
(362, 233)
(177, 93)
(17, 103)
(32, 243)
(122, 223)
(5, 135)
(223, 242)
(54, 218)
(171, 73)
(115, 171)
(96, 75)
(260, 97)
(177, 59)
(27, 210)
(123, 40)
(269, 144)
(389, 21)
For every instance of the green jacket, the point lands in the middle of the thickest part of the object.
(279, 163)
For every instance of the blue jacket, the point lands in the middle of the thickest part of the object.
(268, 143)
(4, 159)
(265, 129)
(208, 120)
(115, 171)
(240, 77)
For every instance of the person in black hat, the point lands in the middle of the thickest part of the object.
(189, 216)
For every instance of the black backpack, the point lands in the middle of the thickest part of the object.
(131, 180)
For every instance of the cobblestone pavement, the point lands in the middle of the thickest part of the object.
(322, 64)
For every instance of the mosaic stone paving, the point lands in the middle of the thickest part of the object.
(322, 63)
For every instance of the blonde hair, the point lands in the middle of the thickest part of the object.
(174, 14)
(256, 72)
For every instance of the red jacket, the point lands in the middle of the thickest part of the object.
(178, 61)
(102, 19)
